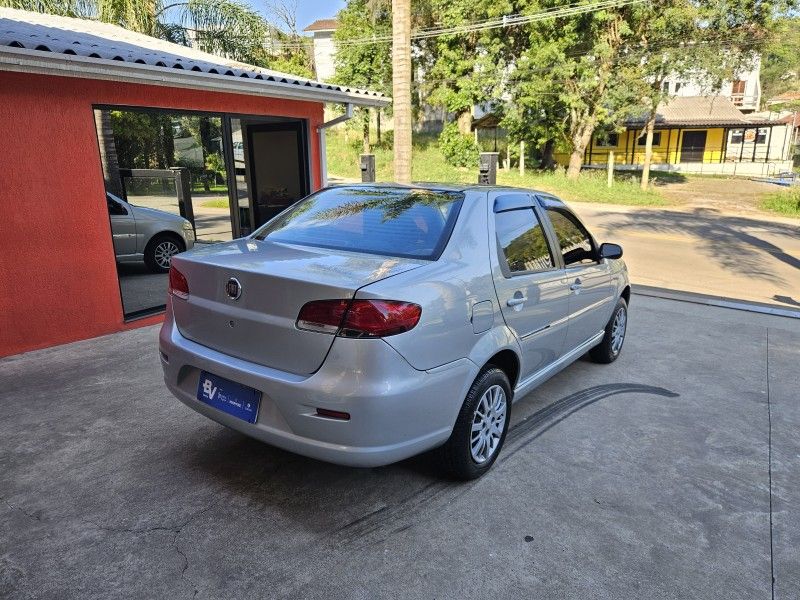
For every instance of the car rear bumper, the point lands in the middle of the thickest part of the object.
(396, 411)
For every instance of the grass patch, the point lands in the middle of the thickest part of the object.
(216, 203)
(785, 203)
(430, 165)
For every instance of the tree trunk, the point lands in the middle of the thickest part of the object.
(378, 125)
(365, 132)
(401, 88)
(464, 120)
(580, 140)
(205, 144)
(548, 158)
(648, 150)
(108, 152)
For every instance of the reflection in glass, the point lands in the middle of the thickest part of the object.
(522, 241)
(392, 222)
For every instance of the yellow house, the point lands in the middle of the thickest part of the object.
(697, 134)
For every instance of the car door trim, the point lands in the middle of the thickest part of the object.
(526, 385)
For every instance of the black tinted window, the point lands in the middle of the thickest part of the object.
(411, 223)
(575, 241)
(522, 241)
(115, 208)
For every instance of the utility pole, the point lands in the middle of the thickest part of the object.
(401, 88)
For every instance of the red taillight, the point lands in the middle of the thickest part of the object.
(359, 318)
(178, 286)
(322, 315)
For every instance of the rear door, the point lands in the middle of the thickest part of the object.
(590, 285)
(531, 286)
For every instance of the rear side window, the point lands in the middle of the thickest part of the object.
(403, 222)
(576, 243)
(522, 242)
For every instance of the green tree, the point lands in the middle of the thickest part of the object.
(780, 65)
(364, 65)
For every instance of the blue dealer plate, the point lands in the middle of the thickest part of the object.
(228, 396)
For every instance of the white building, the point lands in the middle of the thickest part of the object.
(324, 48)
(744, 91)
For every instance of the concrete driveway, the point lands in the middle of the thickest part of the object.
(673, 473)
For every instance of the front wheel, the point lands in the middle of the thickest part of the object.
(608, 350)
(481, 427)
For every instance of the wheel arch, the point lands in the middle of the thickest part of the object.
(507, 361)
(626, 294)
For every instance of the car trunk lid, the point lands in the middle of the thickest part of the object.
(276, 280)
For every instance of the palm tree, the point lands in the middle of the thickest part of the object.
(401, 88)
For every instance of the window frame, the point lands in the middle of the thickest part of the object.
(505, 268)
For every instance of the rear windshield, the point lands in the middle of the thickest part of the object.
(403, 222)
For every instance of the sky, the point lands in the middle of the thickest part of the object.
(308, 11)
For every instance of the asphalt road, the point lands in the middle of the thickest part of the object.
(673, 473)
(704, 250)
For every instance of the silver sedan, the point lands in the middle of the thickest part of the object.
(146, 234)
(369, 323)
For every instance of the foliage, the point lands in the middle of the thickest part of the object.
(784, 203)
(780, 69)
(458, 149)
(430, 165)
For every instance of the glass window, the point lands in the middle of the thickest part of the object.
(761, 137)
(607, 140)
(576, 243)
(737, 135)
(665, 87)
(656, 139)
(114, 207)
(522, 241)
(404, 222)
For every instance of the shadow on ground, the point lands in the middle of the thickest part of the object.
(731, 241)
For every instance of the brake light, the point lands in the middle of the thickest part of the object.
(178, 286)
(359, 318)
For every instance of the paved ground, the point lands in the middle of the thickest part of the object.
(704, 250)
(740, 195)
(649, 478)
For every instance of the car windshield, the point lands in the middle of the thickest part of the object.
(402, 222)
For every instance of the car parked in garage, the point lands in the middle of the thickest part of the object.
(369, 323)
(146, 234)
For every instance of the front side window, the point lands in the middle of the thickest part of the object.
(522, 242)
(402, 222)
(576, 243)
(114, 207)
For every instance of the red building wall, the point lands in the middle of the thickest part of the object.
(58, 279)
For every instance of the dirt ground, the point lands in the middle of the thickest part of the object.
(739, 196)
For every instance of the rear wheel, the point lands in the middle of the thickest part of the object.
(160, 250)
(481, 427)
(609, 349)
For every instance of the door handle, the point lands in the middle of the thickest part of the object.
(516, 301)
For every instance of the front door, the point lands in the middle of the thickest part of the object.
(532, 291)
(277, 165)
(592, 290)
(123, 226)
(693, 146)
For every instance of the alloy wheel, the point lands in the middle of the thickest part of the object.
(618, 330)
(164, 252)
(488, 423)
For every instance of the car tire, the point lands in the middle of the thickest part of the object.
(609, 349)
(160, 249)
(471, 452)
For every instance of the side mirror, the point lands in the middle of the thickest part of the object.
(610, 251)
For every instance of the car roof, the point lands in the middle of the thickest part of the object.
(450, 187)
